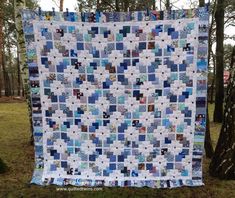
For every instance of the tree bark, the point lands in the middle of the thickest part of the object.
(9, 65)
(98, 4)
(201, 3)
(61, 5)
(223, 161)
(210, 51)
(1, 46)
(18, 74)
(154, 5)
(8, 85)
(126, 5)
(168, 4)
(12, 84)
(4, 71)
(117, 6)
(19, 4)
(213, 81)
(219, 81)
(207, 142)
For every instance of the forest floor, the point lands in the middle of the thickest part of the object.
(18, 154)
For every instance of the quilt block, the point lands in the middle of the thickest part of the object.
(118, 99)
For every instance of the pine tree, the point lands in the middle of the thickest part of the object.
(219, 80)
(223, 161)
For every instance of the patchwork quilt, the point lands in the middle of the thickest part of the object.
(118, 99)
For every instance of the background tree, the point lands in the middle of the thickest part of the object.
(219, 79)
(115, 5)
(61, 5)
(3, 166)
(223, 161)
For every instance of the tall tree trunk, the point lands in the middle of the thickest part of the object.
(201, 3)
(4, 71)
(1, 46)
(61, 5)
(12, 84)
(213, 81)
(98, 4)
(208, 143)
(223, 161)
(219, 81)
(210, 51)
(117, 6)
(8, 85)
(9, 65)
(126, 5)
(18, 5)
(22, 87)
(154, 4)
(18, 73)
(168, 4)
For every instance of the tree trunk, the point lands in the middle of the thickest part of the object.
(9, 65)
(8, 85)
(223, 161)
(213, 81)
(210, 51)
(4, 71)
(219, 81)
(201, 3)
(208, 144)
(168, 4)
(117, 6)
(61, 5)
(154, 5)
(98, 4)
(1, 47)
(18, 73)
(12, 84)
(19, 4)
(126, 5)
(22, 87)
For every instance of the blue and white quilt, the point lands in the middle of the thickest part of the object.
(118, 99)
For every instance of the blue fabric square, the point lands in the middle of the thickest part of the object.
(64, 164)
(152, 77)
(141, 137)
(119, 46)
(112, 166)
(80, 46)
(142, 45)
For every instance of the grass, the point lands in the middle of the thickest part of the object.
(18, 154)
